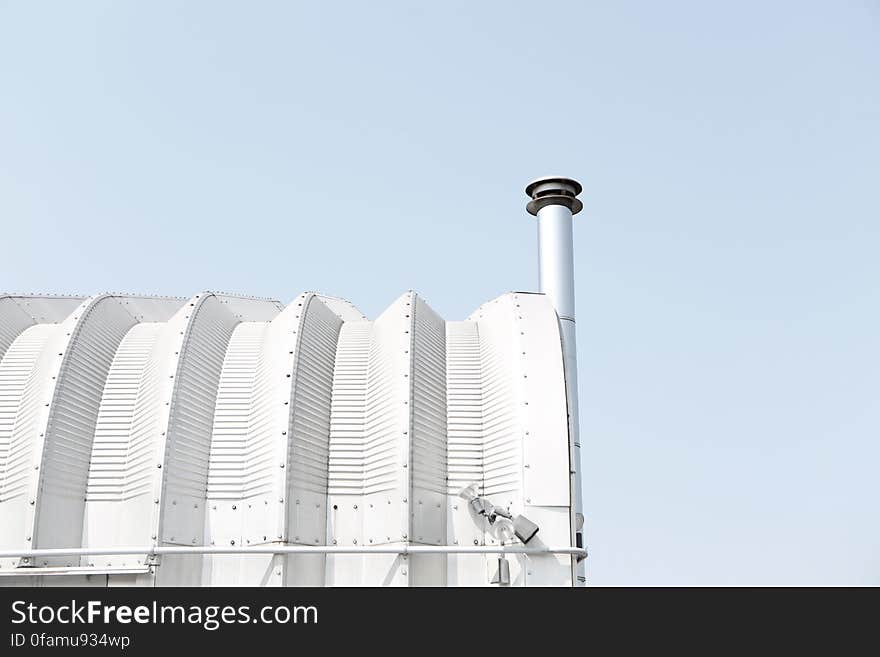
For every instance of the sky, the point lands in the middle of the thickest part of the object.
(727, 258)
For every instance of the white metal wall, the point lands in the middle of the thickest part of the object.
(232, 421)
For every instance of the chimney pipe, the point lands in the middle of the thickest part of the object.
(554, 202)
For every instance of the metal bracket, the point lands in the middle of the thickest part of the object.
(499, 571)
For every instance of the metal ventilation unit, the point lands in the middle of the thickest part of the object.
(228, 440)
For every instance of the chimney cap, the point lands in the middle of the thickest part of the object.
(554, 190)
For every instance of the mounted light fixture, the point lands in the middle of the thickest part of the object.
(524, 528)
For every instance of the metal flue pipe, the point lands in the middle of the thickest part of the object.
(554, 202)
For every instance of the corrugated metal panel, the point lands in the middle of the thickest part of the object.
(230, 451)
(229, 420)
(428, 443)
(22, 371)
(180, 484)
(52, 437)
(308, 451)
(111, 447)
(464, 391)
(464, 404)
(94, 338)
(310, 411)
(503, 430)
(348, 408)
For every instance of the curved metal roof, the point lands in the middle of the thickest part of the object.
(134, 422)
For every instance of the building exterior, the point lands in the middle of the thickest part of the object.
(229, 440)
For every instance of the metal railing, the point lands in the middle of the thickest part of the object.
(292, 549)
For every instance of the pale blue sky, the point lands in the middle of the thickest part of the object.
(727, 256)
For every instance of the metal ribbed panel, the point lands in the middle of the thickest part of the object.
(16, 376)
(229, 455)
(129, 519)
(110, 450)
(263, 449)
(428, 435)
(167, 357)
(308, 454)
(273, 409)
(187, 446)
(464, 401)
(37, 350)
(55, 423)
(312, 395)
(502, 427)
(195, 392)
(206, 328)
(387, 415)
(77, 399)
(70, 430)
(348, 407)
(428, 440)
(149, 410)
(241, 437)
